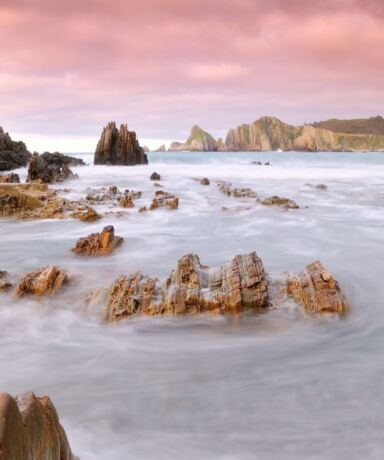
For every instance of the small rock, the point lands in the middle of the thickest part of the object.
(42, 282)
(10, 178)
(89, 215)
(98, 244)
(204, 181)
(278, 201)
(155, 176)
(126, 202)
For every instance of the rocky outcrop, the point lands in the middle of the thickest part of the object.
(164, 200)
(278, 201)
(98, 244)
(372, 125)
(221, 147)
(30, 429)
(12, 154)
(204, 181)
(226, 189)
(42, 282)
(119, 147)
(36, 201)
(317, 291)
(4, 283)
(155, 176)
(269, 133)
(198, 141)
(10, 178)
(162, 148)
(192, 288)
(52, 167)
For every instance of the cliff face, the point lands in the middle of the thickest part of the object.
(12, 154)
(269, 133)
(198, 141)
(119, 147)
(372, 125)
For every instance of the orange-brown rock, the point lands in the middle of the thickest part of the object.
(98, 244)
(4, 284)
(87, 215)
(30, 429)
(42, 282)
(316, 290)
(126, 202)
(278, 201)
(164, 200)
(244, 193)
(204, 181)
(192, 288)
(10, 178)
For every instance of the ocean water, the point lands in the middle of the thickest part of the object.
(275, 386)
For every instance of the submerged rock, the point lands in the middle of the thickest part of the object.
(318, 186)
(155, 176)
(52, 167)
(10, 178)
(316, 290)
(42, 282)
(126, 202)
(12, 154)
(98, 244)
(204, 181)
(119, 147)
(278, 201)
(244, 193)
(30, 429)
(192, 288)
(163, 200)
(4, 284)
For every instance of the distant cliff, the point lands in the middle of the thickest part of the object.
(198, 141)
(119, 147)
(373, 125)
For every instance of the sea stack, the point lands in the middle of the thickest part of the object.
(119, 147)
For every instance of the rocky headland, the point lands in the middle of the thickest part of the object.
(119, 147)
(13, 154)
(198, 141)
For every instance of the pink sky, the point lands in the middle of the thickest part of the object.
(67, 68)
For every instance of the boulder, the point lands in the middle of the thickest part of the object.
(10, 178)
(12, 154)
(126, 202)
(98, 244)
(204, 181)
(318, 186)
(42, 282)
(119, 147)
(164, 200)
(316, 290)
(244, 193)
(88, 215)
(52, 167)
(278, 201)
(192, 288)
(30, 429)
(155, 176)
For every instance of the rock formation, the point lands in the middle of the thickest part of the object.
(42, 282)
(198, 141)
(119, 147)
(278, 201)
(30, 429)
(372, 125)
(192, 288)
(98, 244)
(12, 154)
(204, 181)
(164, 200)
(269, 133)
(10, 178)
(4, 283)
(52, 167)
(317, 291)
(161, 148)
(155, 176)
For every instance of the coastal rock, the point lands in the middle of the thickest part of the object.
(126, 202)
(98, 244)
(244, 193)
(88, 215)
(164, 200)
(4, 284)
(316, 290)
(30, 429)
(10, 178)
(318, 186)
(12, 154)
(155, 176)
(162, 148)
(198, 141)
(278, 201)
(119, 147)
(52, 167)
(204, 181)
(146, 149)
(225, 188)
(192, 288)
(42, 282)
(221, 147)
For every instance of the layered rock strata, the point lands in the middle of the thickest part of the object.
(12, 154)
(119, 147)
(30, 429)
(42, 282)
(98, 244)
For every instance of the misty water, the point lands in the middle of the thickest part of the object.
(280, 385)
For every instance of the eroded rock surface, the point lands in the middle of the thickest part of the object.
(4, 283)
(192, 288)
(155, 176)
(164, 200)
(42, 282)
(119, 147)
(30, 429)
(12, 154)
(279, 201)
(10, 178)
(52, 167)
(98, 244)
(316, 290)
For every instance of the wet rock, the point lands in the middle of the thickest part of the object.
(278, 201)
(88, 215)
(316, 290)
(4, 284)
(155, 176)
(259, 163)
(244, 193)
(113, 190)
(30, 429)
(205, 181)
(157, 185)
(318, 186)
(192, 288)
(126, 202)
(119, 147)
(143, 209)
(10, 178)
(225, 188)
(42, 282)
(112, 195)
(98, 244)
(164, 200)
(52, 167)
(12, 154)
